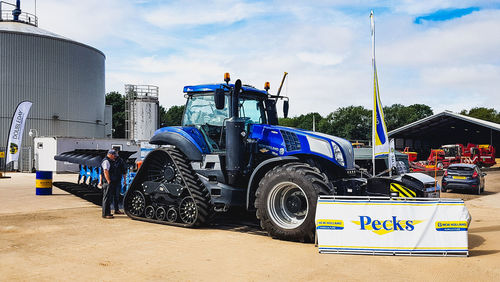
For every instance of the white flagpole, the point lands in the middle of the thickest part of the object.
(372, 25)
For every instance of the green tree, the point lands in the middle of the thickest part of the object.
(306, 121)
(302, 121)
(172, 116)
(289, 122)
(353, 122)
(398, 115)
(117, 101)
(483, 113)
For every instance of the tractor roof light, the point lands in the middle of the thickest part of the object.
(227, 77)
(267, 85)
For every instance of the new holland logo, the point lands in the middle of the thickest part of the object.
(331, 224)
(13, 148)
(382, 227)
(451, 225)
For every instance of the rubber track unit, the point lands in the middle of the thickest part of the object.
(194, 186)
(314, 183)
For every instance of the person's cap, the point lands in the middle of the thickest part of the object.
(112, 152)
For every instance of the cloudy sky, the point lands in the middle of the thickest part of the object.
(439, 52)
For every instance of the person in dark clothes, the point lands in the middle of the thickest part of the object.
(117, 195)
(112, 177)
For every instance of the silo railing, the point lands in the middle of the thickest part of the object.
(27, 18)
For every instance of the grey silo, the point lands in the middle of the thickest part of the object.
(63, 78)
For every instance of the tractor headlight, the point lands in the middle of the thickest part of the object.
(320, 146)
(338, 154)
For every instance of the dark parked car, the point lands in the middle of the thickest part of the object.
(463, 177)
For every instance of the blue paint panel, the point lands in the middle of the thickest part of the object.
(190, 133)
(271, 142)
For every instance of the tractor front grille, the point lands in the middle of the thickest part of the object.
(291, 140)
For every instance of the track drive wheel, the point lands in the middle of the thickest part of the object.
(136, 203)
(286, 201)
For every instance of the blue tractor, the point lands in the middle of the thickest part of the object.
(230, 152)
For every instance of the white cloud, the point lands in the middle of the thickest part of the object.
(203, 12)
(322, 59)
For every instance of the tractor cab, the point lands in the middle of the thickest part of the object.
(210, 106)
(202, 111)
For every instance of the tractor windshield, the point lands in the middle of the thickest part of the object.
(200, 110)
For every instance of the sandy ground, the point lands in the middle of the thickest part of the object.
(62, 237)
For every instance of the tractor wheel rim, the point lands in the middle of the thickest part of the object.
(137, 204)
(287, 205)
(188, 211)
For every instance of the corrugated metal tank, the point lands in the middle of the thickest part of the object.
(145, 121)
(63, 78)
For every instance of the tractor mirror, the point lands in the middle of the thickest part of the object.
(219, 98)
(285, 108)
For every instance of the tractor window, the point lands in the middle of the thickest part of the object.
(450, 151)
(200, 110)
(253, 110)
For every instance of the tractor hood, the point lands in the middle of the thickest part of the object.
(286, 141)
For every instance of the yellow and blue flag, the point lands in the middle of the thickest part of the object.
(379, 130)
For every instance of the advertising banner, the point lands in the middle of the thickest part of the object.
(362, 225)
(392, 154)
(16, 131)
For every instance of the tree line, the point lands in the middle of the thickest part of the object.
(352, 122)
(355, 122)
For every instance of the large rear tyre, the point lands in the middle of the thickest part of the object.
(286, 201)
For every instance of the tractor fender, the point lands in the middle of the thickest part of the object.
(261, 169)
(192, 152)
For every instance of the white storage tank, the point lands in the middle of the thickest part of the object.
(63, 78)
(142, 111)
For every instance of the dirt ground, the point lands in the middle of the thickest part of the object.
(63, 237)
